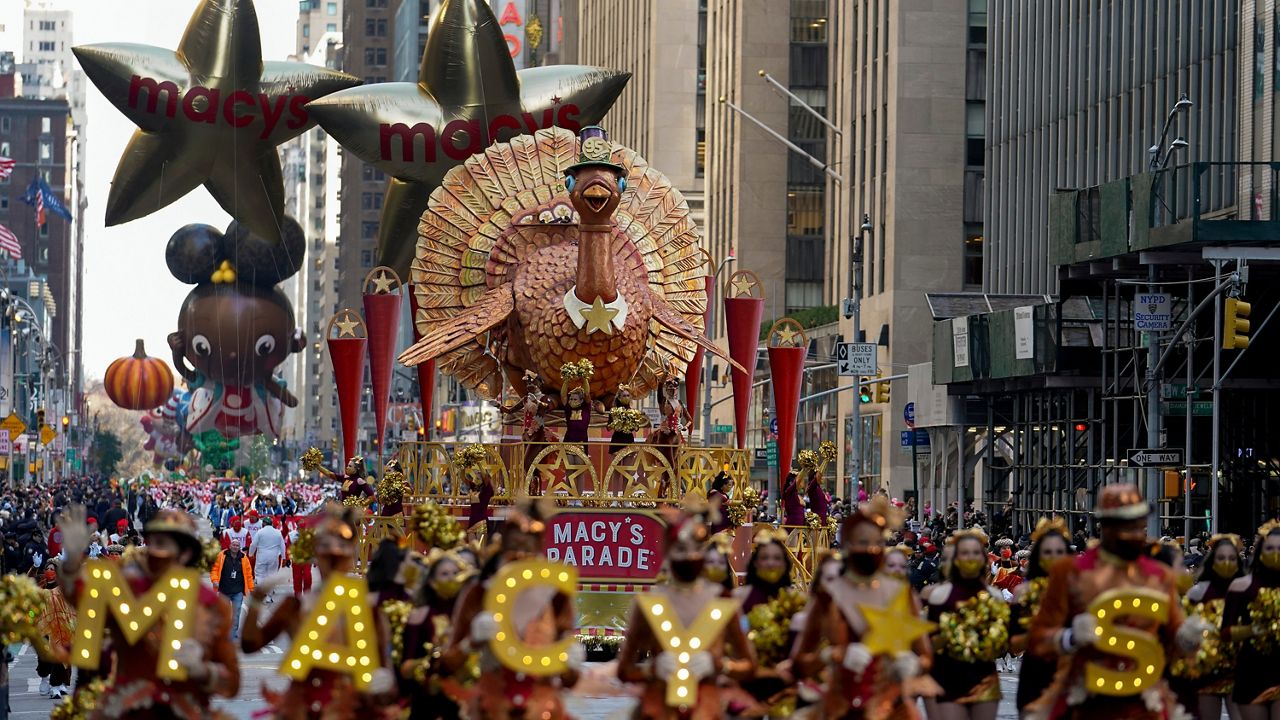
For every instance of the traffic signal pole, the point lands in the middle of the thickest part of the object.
(1217, 414)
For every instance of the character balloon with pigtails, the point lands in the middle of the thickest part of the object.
(235, 327)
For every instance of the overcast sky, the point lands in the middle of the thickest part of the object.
(128, 291)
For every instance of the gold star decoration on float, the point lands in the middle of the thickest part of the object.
(599, 317)
(893, 628)
(383, 283)
(468, 96)
(742, 286)
(347, 327)
(211, 112)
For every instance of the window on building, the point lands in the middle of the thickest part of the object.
(331, 8)
(700, 150)
(380, 57)
(331, 27)
(46, 125)
(366, 258)
(375, 3)
(306, 49)
(48, 46)
(975, 134)
(424, 9)
(306, 31)
(370, 27)
(368, 230)
(46, 150)
(977, 22)
(4, 201)
(305, 5)
(4, 148)
(973, 256)
(382, 23)
(805, 212)
(48, 25)
(44, 233)
(5, 125)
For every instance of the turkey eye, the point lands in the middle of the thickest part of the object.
(622, 184)
(568, 183)
(264, 346)
(201, 345)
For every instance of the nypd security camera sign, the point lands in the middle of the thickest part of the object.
(1152, 312)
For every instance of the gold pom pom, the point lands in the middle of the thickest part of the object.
(397, 614)
(1216, 654)
(435, 526)
(1264, 612)
(393, 488)
(770, 625)
(470, 456)
(21, 602)
(827, 451)
(976, 631)
(312, 459)
(807, 459)
(304, 548)
(82, 704)
(627, 420)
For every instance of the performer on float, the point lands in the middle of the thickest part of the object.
(686, 596)
(133, 691)
(1251, 602)
(624, 421)
(819, 500)
(792, 503)
(718, 567)
(546, 616)
(670, 435)
(861, 685)
(324, 693)
(533, 409)
(718, 499)
(355, 490)
(769, 570)
(1064, 626)
(576, 391)
(970, 686)
(392, 489)
(426, 634)
(1048, 546)
(1222, 566)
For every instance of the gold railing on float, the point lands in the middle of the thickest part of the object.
(638, 476)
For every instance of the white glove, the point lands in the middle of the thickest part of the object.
(856, 658)
(905, 666)
(577, 656)
(75, 533)
(664, 666)
(483, 628)
(1191, 633)
(1084, 632)
(383, 682)
(701, 665)
(190, 655)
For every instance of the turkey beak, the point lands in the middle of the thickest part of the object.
(596, 195)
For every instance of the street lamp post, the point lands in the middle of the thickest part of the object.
(855, 296)
(706, 366)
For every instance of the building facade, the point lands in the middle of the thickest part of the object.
(1084, 109)
(318, 21)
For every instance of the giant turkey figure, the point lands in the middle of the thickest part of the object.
(528, 261)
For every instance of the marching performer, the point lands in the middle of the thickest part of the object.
(686, 594)
(1065, 629)
(967, 674)
(324, 693)
(1048, 546)
(134, 691)
(861, 685)
(1250, 618)
(1222, 567)
(546, 616)
(426, 634)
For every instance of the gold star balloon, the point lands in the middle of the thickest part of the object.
(211, 112)
(468, 96)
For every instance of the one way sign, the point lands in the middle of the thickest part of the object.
(1158, 457)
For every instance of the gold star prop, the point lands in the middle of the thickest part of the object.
(468, 96)
(347, 326)
(742, 286)
(382, 283)
(598, 317)
(786, 336)
(892, 629)
(211, 112)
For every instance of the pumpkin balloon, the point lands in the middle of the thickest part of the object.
(138, 382)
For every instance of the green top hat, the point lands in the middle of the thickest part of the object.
(594, 150)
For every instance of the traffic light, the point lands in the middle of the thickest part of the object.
(39, 418)
(66, 421)
(882, 391)
(1235, 327)
(864, 390)
(422, 432)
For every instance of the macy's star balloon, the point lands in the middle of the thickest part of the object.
(212, 112)
(468, 96)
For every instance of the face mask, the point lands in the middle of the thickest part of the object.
(446, 589)
(1225, 568)
(1127, 549)
(1271, 559)
(715, 574)
(863, 563)
(970, 568)
(686, 571)
(159, 563)
(769, 576)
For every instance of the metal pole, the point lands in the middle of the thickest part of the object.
(1217, 414)
(790, 145)
(1186, 481)
(855, 288)
(799, 101)
(1153, 412)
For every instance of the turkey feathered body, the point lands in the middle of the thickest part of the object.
(541, 335)
(497, 252)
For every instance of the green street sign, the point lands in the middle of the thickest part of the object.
(1199, 408)
(722, 428)
(771, 453)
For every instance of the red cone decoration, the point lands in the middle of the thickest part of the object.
(382, 317)
(426, 370)
(348, 336)
(743, 308)
(787, 349)
(693, 374)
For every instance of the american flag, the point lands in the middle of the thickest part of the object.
(9, 243)
(40, 219)
(6, 166)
